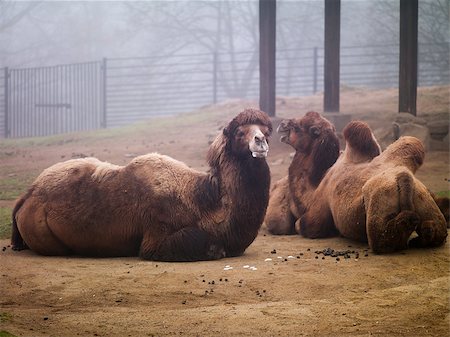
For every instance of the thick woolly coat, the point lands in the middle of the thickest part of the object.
(155, 206)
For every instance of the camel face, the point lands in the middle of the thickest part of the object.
(251, 139)
(302, 133)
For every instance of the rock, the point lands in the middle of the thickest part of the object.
(406, 117)
(411, 129)
(438, 129)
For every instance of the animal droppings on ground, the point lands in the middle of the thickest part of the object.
(339, 253)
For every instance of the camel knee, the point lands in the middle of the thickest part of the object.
(317, 226)
(278, 224)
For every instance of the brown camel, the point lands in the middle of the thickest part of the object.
(317, 148)
(154, 207)
(376, 198)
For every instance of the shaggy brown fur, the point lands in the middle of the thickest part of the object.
(378, 200)
(155, 206)
(317, 148)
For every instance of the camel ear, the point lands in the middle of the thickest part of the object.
(225, 132)
(314, 131)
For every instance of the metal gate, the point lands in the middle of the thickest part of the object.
(51, 100)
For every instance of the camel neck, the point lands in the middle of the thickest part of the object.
(245, 188)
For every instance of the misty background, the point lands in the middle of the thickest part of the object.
(118, 62)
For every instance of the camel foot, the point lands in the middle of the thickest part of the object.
(430, 234)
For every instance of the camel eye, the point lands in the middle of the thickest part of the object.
(240, 134)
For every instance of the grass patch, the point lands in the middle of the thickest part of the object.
(443, 194)
(6, 334)
(5, 317)
(12, 187)
(5, 223)
(151, 125)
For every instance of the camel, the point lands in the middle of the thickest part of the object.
(375, 198)
(155, 206)
(317, 148)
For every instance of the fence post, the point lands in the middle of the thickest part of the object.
(104, 93)
(215, 77)
(267, 56)
(315, 70)
(6, 93)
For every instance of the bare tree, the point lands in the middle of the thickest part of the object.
(225, 28)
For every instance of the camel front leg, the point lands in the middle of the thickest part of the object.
(187, 244)
(317, 222)
(279, 219)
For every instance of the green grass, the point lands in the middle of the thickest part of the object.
(152, 125)
(6, 334)
(5, 317)
(12, 187)
(443, 194)
(5, 222)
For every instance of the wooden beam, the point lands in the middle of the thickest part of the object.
(332, 55)
(407, 95)
(267, 34)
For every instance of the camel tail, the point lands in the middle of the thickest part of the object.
(405, 185)
(17, 241)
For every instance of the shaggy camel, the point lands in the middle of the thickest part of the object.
(317, 148)
(154, 207)
(376, 198)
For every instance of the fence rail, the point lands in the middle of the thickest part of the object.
(117, 91)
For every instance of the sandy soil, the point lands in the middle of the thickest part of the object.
(299, 292)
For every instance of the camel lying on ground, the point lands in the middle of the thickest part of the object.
(375, 198)
(317, 148)
(154, 207)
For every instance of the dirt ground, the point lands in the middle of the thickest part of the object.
(281, 286)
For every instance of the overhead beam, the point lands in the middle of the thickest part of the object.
(332, 55)
(407, 96)
(267, 36)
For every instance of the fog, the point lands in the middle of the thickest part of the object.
(164, 57)
(41, 33)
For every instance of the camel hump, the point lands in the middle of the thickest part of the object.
(361, 144)
(407, 151)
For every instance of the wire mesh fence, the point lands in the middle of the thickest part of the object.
(117, 91)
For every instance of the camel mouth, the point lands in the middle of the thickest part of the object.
(284, 132)
(260, 154)
(284, 139)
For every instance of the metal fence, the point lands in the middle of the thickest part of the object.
(51, 100)
(112, 92)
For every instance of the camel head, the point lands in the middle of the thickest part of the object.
(245, 136)
(304, 133)
(314, 137)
